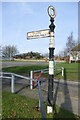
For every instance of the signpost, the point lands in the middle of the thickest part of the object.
(51, 59)
(43, 34)
(38, 34)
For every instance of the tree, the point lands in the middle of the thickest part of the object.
(65, 52)
(70, 44)
(46, 55)
(9, 51)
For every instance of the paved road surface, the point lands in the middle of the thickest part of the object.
(10, 64)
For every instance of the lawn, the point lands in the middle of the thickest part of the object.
(71, 71)
(24, 70)
(17, 106)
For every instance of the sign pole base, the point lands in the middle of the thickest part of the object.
(49, 109)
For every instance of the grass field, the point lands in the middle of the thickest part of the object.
(17, 106)
(71, 71)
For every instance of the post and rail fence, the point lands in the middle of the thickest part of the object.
(12, 77)
(42, 71)
(32, 81)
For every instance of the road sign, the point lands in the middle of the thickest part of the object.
(38, 34)
(43, 34)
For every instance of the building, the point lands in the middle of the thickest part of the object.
(75, 54)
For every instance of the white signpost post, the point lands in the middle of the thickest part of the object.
(43, 34)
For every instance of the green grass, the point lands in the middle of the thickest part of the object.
(0, 103)
(17, 106)
(71, 70)
(23, 70)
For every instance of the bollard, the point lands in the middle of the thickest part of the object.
(62, 71)
(31, 81)
(39, 103)
(12, 84)
(1, 74)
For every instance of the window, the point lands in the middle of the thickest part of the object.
(74, 57)
(78, 57)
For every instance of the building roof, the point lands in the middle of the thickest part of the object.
(76, 48)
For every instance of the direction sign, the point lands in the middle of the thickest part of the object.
(38, 34)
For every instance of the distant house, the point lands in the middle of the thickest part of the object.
(75, 54)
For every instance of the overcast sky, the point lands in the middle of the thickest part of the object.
(18, 18)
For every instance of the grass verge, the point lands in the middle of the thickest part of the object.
(71, 70)
(17, 106)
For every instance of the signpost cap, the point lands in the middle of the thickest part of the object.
(54, 12)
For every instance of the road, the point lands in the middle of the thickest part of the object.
(10, 64)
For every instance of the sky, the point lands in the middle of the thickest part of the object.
(18, 18)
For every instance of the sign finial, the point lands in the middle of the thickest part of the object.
(49, 12)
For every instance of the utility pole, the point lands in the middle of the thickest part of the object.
(51, 59)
